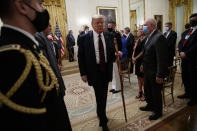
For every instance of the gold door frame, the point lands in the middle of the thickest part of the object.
(130, 10)
(133, 29)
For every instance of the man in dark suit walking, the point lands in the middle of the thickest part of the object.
(29, 91)
(130, 45)
(171, 37)
(70, 42)
(188, 53)
(155, 65)
(96, 55)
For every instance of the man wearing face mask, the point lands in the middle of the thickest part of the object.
(29, 91)
(116, 78)
(171, 37)
(188, 53)
(155, 65)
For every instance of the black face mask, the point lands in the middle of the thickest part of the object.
(110, 29)
(41, 21)
(193, 23)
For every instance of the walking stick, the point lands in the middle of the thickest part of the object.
(121, 81)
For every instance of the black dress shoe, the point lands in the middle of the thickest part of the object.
(105, 128)
(184, 96)
(101, 124)
(155, 116)
(115, 91)
(146, 108)
(112, 90)
(192, 103)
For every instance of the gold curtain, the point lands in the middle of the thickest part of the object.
(57, 11)
(188, 9)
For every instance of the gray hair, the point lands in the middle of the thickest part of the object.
(152, 21)
(98, 17)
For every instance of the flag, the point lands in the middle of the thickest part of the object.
(58, 37)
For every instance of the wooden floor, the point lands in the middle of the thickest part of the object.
(184, 120)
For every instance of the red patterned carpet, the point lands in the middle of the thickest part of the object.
(80, 102)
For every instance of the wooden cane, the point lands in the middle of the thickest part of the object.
(121, 81)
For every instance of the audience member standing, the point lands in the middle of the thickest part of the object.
(130, 45)
(70, 42)
(188, 54)
(96, 55)
(124, 46)
(171, 37)
(36, 104)
(49, 51)
(78, 37)
(137, 58)
(86, 30)
(155, 66)
(116, 87)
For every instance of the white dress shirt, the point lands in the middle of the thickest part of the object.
(96, 46)
(23, 32)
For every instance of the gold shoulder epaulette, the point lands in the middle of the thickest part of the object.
(10, 47)
(31, 60)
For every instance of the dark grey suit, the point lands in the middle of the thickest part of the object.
(46, 47)
(48, 52)
(155, 63)
(171, 39)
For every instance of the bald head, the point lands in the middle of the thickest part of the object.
(151, 24)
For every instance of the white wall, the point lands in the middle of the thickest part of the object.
(79, 12)
(194, 6)
(157, 7)
(138, 5)
(0, 23)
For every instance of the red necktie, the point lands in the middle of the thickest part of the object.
(186, 39)
(101, 54)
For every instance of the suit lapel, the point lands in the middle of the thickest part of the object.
(192, 35)
(92, 47)
(169, 34)
(150, 39)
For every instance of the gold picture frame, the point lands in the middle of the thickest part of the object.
(159, 19)
(110, 13)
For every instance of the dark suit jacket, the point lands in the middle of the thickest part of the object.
(48, 52)
(29, 94)
(190, 48)
(130, 45)
(69, 41)
(155, 60)
(87, 57)
(171, 39)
